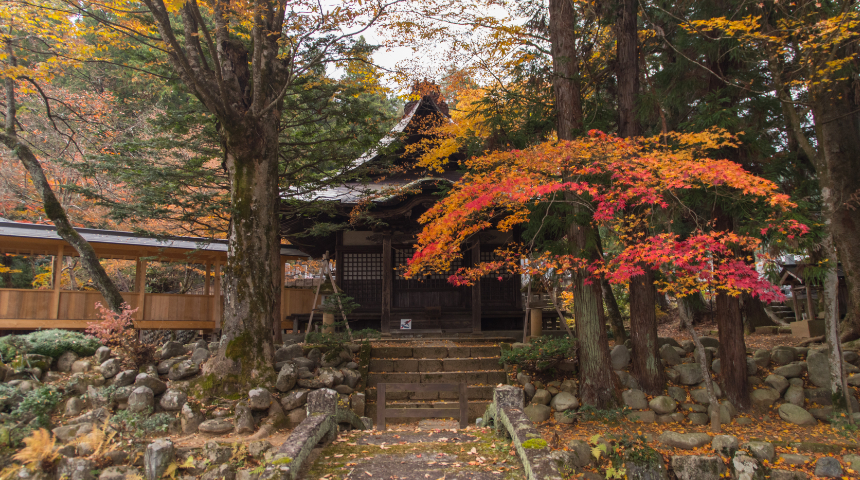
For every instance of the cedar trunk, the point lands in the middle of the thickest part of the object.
(627, 67)
(647, 367)
(251, 285)
(565, 65)
(733, 353)
(614, 313)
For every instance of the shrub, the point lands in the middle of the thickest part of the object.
(38, 404)
(541, 354)
(51, 343)
(116, 330)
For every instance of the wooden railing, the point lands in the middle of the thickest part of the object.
(383, 411)
(23, 309)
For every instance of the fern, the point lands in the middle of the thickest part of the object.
(39, 450)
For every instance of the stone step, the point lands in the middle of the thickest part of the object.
(472, 393)
(471, 377)
(435, 352)
(407, 365)
(475, 410)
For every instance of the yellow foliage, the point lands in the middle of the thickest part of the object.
(38, 450)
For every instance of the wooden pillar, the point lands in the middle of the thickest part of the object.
(140, 288)
(280, 316)
(811, 313)
(476, 289)
(387, 282)
(796, 304)
(338, 261)
(216, 299)
(208, 273)
(58, 283)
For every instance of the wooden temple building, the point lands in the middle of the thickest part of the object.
(368, 254)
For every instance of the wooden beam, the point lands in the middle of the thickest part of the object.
(140, 288)
(208, 274)
(58, 283)
(216, 299)
(387, 281)
(476, 289)
(338, 262)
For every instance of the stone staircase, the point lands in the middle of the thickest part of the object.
(476, 364)
(783, 312)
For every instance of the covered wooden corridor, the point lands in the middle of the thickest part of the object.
(30, 309)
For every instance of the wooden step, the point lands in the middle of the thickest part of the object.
(470, 378)
(475, 410)
(413, 365)
(434, 352)
(473, 392)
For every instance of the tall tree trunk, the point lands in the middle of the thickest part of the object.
(251, 282)
(627, 67)
(838, 382)
(647, 367)
(597, 380)
(733, 352)
(614, 313)
(837, 123)
(53, 208)
(565, 65)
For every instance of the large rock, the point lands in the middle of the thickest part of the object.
(689, 373)
(70, 468)
(146, 380)
(537, 413)
(663, 405)
(111, 367)
(709, 342)
(124, 378)
(142, 399)
(64, 363)
(761, 450)
(793, 414)
(102, 354)
(646, 470)
(81, 366)
(316, 356)
(158, 456)
(190, 419)
(259, 399)
(793, 370)
(635, 399)
(670, 355)
(783, 355)
(828, 467)
(818, 366)
(350, 377)
(215, 426)
(295, 399)
(580, 453)
(172, 349)
(67, 433)
(697, 467)
(777, 382)
(762, 358)
(564, 401)
(287, 377)
(542, 397)
(173, 400)
(244, 418)
(327, 377)
(780, 474)
(686, 441)
(288, 353)
(620, 356)
(795, 395)
(74, 407)
(725, 445)
(647, 416)
(764, 397)
(200, 355)
(183, 370)
(677, 393)
(296, 416)
(164, 366)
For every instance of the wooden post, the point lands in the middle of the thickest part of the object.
(338, 263)
(387, 282)
(476, 289)
(208, 273)
(140, 287)
(811, 314)
(58, 283)
(216, 299)
(797, 313)
(279, 316)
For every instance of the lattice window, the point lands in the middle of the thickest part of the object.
(362, 278)
(402, 255)
(490, 256)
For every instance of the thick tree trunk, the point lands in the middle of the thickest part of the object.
(613, 312)
(754, 314)
(597, 380)
(627, 67)
(837, 122)
(838, 382)
(565, 65)
(647, 367)
(251, 285)
(53, 208)
(733, 353)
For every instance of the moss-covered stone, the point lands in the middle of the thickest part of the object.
(535, 443)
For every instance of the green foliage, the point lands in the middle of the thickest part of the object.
(38, 404)
(614, 455)
(338, 303)
(158, 422)
(542, 353)
(588, 413)
(51, 343)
